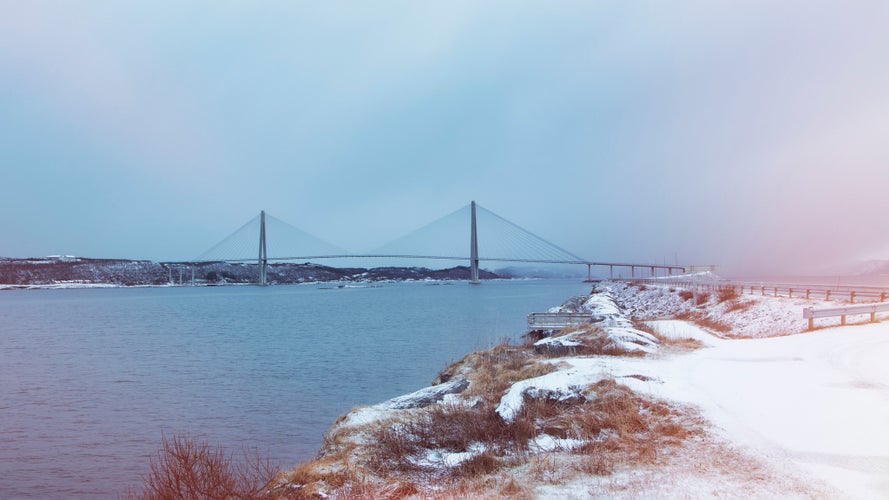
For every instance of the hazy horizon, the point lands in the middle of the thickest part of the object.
(752, 135)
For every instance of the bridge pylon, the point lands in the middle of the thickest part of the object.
(473, 248)
(263, 252)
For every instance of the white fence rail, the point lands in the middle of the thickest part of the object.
(811, 313)
(852, 293)
(877, 294)
(551, 321)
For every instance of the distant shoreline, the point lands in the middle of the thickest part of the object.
(58, 272)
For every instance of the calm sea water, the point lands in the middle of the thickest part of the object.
(91, 379)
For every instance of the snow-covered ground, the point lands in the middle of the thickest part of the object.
(818, 402)
(815, 402)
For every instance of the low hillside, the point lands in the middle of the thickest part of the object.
(77, 271)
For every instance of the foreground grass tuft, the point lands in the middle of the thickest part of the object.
(187, 468)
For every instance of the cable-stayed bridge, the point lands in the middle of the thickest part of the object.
(471, 233)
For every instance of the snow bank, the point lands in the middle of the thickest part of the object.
(748, 316)
(608, 319)
(544, 443)
(436, 459)
(560, 385)
(572, 381)
(817, 401)
(417, 399)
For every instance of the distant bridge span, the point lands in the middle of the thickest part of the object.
(668, 268)
(565, 257)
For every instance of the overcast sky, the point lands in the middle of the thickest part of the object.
(750, 134)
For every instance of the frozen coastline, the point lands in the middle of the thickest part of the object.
(731, 413)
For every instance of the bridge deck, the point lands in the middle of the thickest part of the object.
(482, 259)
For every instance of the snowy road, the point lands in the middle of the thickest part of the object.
(816, 400)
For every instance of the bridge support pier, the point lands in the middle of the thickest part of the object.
(473, 249)
(263, 252)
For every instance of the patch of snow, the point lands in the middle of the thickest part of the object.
(602, 304)
(365, 415)
(458, 399)
(438, 458)
(631, 339)
(544, 443)
(567, 340)
(561, 385)
(417, 399)
(427, 396)
(677, 330)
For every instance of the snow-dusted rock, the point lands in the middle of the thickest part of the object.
(418, 399)
(618, 330)
(560, 385)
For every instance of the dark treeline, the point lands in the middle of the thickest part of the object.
(49, 271)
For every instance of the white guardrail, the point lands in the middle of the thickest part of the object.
(552, 321)
(811, 313)
(799, 290)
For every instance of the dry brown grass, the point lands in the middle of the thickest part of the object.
(493, 371)
(739, 305)
(684, 343)
(513, 489)
(479, 465)
(187, 468)
(701, 298)
(706, 467)
(445, 427)
(643, 326)
(676, 343)
(492, 486)
(616, 425)
(616, 407)
(633, 428)
(713, 324)
(598, 461)
(705, 321)
(726, 292)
